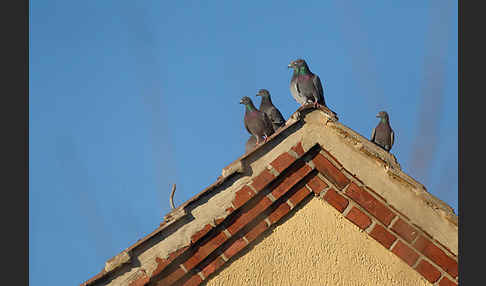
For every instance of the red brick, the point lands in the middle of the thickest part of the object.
(256, 231)
(370, 203)
(298, 149)
(317, 185)
(358, 218)
(290, 180)
(204, 250)
(282, 162)
(383, 236)
(326, 168)
(193, 281)
(262, 180)
(201, 233)
(405, 230)
(249, 215)
(332, 157)
(446, 282)
(234, 248)
(336, 200)
(406, 253)
(213, 266)
(437, 255)
(242, 196)
(163, 262)
(279, 212)
(171, 278)
(141, 281)
(299, 195)
(428, 271)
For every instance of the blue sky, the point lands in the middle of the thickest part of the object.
(127, 97)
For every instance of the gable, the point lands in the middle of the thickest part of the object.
(314, 155)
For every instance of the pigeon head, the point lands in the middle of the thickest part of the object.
(245, 100)
(383, 115)
(299, 65)
(263, 93)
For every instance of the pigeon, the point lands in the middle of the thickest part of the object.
(256, 122)
(382, 134)
(305, 86)
(250, 144)
(270, 110)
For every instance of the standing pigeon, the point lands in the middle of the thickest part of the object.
(270, 110)
(305, 86)
(256, 122)
(382, 134)
(250, 144)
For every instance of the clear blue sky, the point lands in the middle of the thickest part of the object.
(127, 97)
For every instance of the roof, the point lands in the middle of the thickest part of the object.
(314, 155)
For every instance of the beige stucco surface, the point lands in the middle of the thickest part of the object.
(318, 246)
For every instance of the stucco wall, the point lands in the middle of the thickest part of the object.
(318, 246)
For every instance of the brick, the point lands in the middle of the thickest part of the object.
(299, 172)
(141, 281)
(212, 266)
(299, 195)
(437, 255)
(193, 281)
(282, 162)
(446, 282)
(404, 230)
(298, 149)
(249, 215)
(317, 185)
(370, 203)
(358, 218)
(279, 212)
(234, 248)
(256, 231)
(332, 157)
(204, 250)
(336, 200)
(383, 236)
(428, 271)
(172, 277)
(262, 180)
(195, 237)
(406, 253)
(332, 173)
(163, 262)
(242, 196)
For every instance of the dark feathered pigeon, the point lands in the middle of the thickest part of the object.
(256, 122)
(270, 110)
(305, 86)
(250, 144)
(382, 134)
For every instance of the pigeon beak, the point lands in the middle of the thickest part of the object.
(241, 102)
(289, 66)
(378, 115)
(258, 94)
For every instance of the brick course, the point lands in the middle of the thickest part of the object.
(370, 203)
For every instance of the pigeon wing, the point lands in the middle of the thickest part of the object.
(318, 87)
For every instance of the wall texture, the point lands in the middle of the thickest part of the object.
(318, 246)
